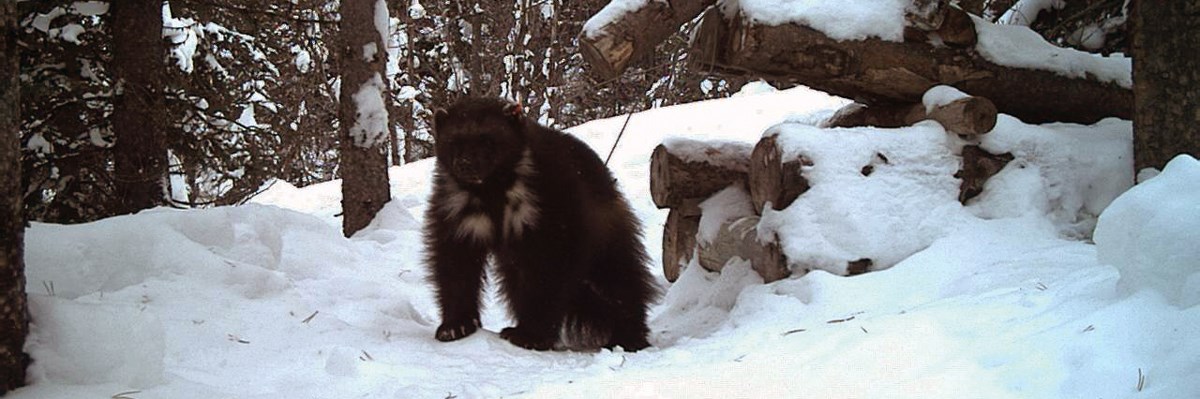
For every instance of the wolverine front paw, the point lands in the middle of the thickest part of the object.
(455, 330)
(527, 339)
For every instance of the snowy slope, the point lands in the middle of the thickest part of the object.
(269, 301)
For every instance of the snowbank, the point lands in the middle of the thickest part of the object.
(847, 215)
(884, 194)
(1149, 234)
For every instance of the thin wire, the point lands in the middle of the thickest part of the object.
(621, 133)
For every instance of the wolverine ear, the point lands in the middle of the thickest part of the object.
(514, 110)
(439, 118)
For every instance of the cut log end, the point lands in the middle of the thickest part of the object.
(673, 180)
(966, 116)
(679, 239)
(607, 56)
(773, 180)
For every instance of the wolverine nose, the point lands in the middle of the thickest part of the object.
(466, 170)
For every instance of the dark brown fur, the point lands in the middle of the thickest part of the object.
(566, 246)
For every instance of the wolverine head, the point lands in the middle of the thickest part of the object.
(478, 139)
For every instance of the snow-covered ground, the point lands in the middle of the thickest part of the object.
(1007, 299)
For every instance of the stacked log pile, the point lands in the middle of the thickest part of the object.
(686, 173)
(888, 80)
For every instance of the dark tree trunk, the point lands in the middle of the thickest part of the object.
(1166, 81)
(363, 160)
(14, 322)
(140, 153)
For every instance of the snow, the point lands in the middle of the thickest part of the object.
(416, 10)
(42, 21)
(838, 19)
(381, 19)
(1018, 46)
(370, 127)
(901, 207)
(1075, 170)
(725, 206)
(90, 8)
(368, 52)
(614, 10)
(1145, 233)
(728, 154)
(37, 143)
(268, 300)
(303, 59)
(1013, 46)
(1025, 12)
(71, 32)
(182, 37)
(941, 95)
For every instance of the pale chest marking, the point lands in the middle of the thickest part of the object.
(520, 208)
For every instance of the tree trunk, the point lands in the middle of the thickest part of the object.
(138, 119)
(14, 323)
(1166, 81)
(364, 121)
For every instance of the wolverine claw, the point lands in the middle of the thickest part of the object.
(454, 331)
(525, 340)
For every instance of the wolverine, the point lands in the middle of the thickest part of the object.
(543, 209)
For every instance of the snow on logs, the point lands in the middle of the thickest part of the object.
(938, 44)
(699, 182)
(879, 72)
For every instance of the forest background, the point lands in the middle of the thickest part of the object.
(250, 88)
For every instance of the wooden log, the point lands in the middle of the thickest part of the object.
(965, 116)
(679, 238)
(874, 71)
(731, 240)
(978, 166)
(674, 180)
(740, 238)
(879, 115)
(770, 262)
(775, 180)
(969, 116)
(610, 47)
(958, 30)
